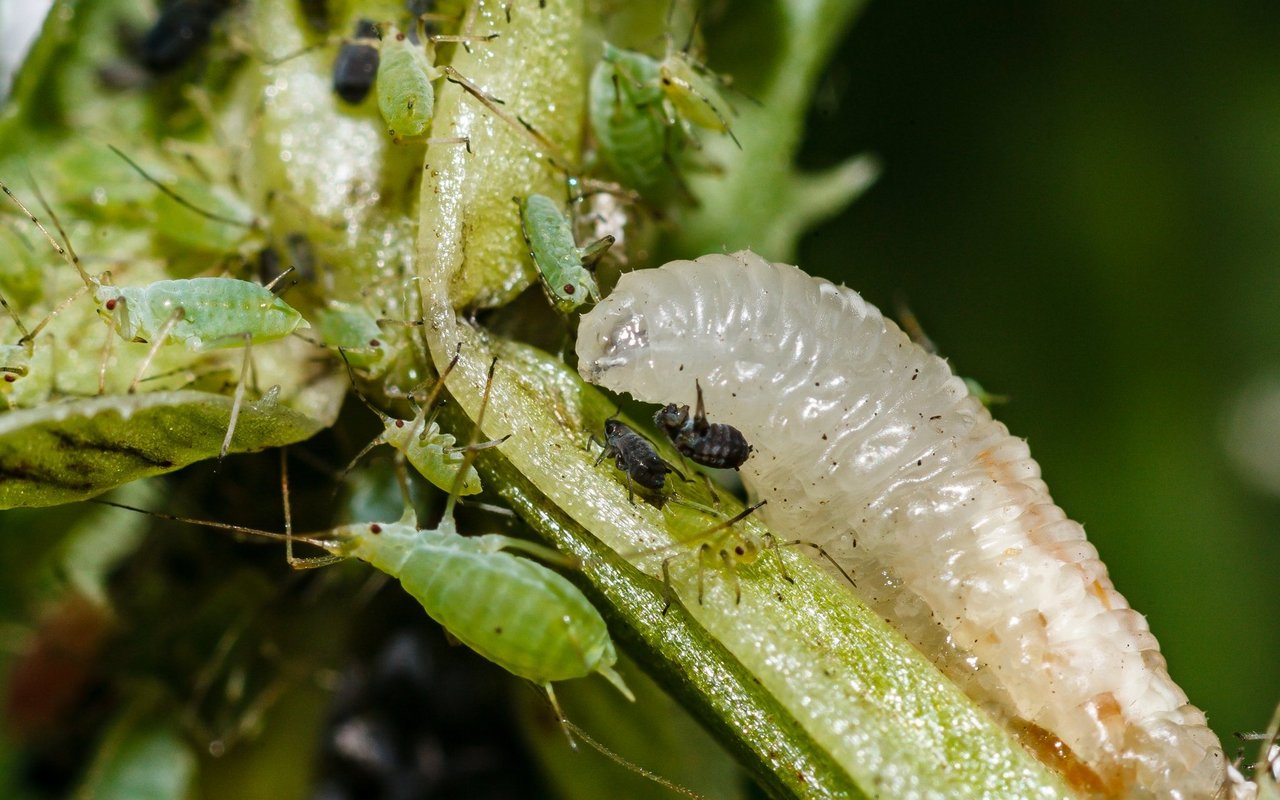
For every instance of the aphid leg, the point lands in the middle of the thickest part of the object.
(668, 593)
(711, 488)
(495, 542)
(822, 552)
(107, 348)
(161, 336)
(469, 458)
(731, 566)
(771, 544)
(237, 399)
(703, 550)
(555, 707)
(377, 440)
(296, 562)
(604, 449)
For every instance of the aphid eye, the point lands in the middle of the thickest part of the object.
(110, 305)
(399, 423)
(375, 343)
(400, 37)
(375, 528)
(740, 550)
(568, 288)
(10, 378)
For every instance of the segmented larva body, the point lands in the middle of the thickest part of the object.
(861, 434)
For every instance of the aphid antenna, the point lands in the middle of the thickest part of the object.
(252, 225)
(627, 764)
(26, 335)
(469, 456)
(67, 254)
(315, 541)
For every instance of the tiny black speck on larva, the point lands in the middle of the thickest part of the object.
(858, 432)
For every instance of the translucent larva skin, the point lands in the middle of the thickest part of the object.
(858, 432)
(217, 312)
(405, 95)
(515, 612)
(559, 259)
(625, 110)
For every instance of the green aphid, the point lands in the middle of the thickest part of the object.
(627, 118)
(199, 313)
(354, 331)
(519, 614)
(427, 448)
(406, 96)
(564, 268)
(694, 94)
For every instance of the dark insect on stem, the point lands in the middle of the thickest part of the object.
(178, 34)
(711, 444)
(356, 66)
(636, 457)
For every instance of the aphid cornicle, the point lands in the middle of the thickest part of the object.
(356, 66)
(635, 456)
(711, 444)
(563, 267)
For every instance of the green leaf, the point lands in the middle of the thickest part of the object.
(60, 453)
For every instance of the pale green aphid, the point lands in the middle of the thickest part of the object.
(199, 313)
(356, 333)
(406, 71)
(695, 97)
(428, 449)
(636, 105)
(406, 97)
(522, 616)
(565, 268)
(625, 110)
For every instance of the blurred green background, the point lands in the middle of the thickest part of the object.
(1081, 203)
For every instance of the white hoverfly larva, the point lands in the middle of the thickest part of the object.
(858, 432)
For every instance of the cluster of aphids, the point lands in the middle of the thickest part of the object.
(641, 112)
(711, 444)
